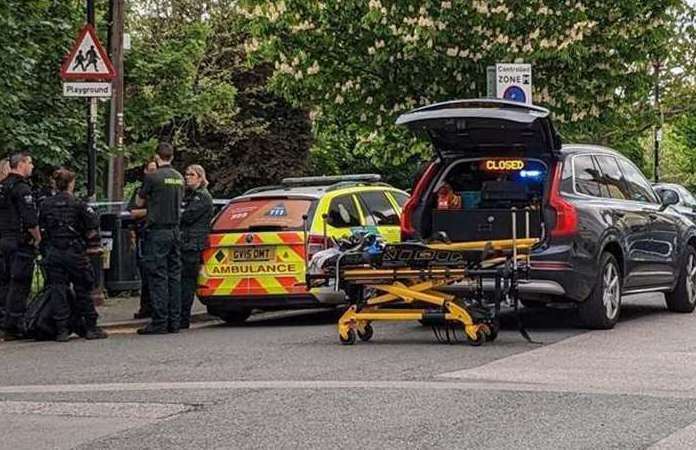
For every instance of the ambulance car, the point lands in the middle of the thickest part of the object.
(255, 258)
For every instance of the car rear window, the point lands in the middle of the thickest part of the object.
(482, 183)
(264, 214)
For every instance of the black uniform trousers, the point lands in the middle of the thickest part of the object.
(191, 265)
(145, 301)
(67, 265)
(162, 261)
(18, 271)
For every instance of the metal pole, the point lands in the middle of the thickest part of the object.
(658, 128)
(91, 127)
(116, 126)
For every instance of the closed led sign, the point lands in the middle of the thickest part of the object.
(503, 164)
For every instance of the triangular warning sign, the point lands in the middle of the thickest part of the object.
(87, 60)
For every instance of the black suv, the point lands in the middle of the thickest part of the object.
(603, 231)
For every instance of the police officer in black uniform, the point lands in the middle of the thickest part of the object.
(72, 233)
(19, 240)
(195, 227)
(163, 192)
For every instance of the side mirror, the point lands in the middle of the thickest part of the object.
(669, 197)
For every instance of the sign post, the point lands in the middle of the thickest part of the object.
(514, 82)
(87, 72)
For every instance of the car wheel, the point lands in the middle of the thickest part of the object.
(602, 308)
(235, 317)
(683, 297)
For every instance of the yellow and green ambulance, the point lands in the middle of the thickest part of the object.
(256, 250)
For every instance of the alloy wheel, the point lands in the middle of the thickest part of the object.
(612, 291)
(691, 278)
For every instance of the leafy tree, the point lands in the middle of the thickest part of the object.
(359, 64)
(187, 82)
(35, 36)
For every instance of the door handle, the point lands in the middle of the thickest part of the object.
(619, 214)
(652, 216)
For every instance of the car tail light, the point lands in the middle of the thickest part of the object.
(566, 214)
(407, 230)
(315, 244)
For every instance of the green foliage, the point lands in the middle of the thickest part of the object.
(35, 35)
(188, 83)
(359, 64)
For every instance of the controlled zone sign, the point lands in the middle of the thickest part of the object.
(87, 60)
(514, 82)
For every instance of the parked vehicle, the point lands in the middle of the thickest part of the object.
(686, 203)
(256, 253)
(604, 232)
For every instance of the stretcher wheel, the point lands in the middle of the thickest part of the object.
(480, 338)
(350, 340)
(366, 335)
(492, 335)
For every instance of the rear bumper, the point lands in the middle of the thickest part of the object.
(266, 302)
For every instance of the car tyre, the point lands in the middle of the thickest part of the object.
(235, 317)
(601, 310)
(683, 298)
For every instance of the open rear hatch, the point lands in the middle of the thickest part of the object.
(495, 155)
(473, 127)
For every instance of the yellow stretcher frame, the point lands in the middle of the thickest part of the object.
(420, 286)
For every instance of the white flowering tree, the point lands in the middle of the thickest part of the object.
(357, 64)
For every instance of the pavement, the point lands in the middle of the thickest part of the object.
(116, 314)
(284, 381)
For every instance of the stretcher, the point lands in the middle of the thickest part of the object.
(437, 283)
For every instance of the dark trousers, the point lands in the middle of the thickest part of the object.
(162, 260)
(71, 265)
(145, 301)
(190, 266)
(17, 274)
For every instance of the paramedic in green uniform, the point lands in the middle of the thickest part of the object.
(162, 194)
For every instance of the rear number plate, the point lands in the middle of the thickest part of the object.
(253, 254)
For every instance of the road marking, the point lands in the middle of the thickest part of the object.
(653, 356)
(314, 385)
(92, 409)
(683, 438)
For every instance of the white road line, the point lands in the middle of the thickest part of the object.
(315, 385)
(127, 410)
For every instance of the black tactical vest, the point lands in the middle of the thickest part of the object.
(61, 218)
(10, 220)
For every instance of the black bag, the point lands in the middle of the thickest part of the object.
(39, 317)
(40, 322)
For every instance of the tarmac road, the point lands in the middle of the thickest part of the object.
(284, 381)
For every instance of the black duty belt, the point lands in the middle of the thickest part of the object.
(162, 227)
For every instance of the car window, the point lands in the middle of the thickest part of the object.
(638, 186)
(586, 176)
(612, 178)
(400, 198)
(687, 199)
(264, 213)
(567, 177)
(343, 213)
(379, 210)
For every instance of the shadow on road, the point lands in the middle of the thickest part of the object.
(537, 318)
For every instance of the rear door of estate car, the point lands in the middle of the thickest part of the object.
(466, 128)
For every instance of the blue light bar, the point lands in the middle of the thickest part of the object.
(530, 173)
